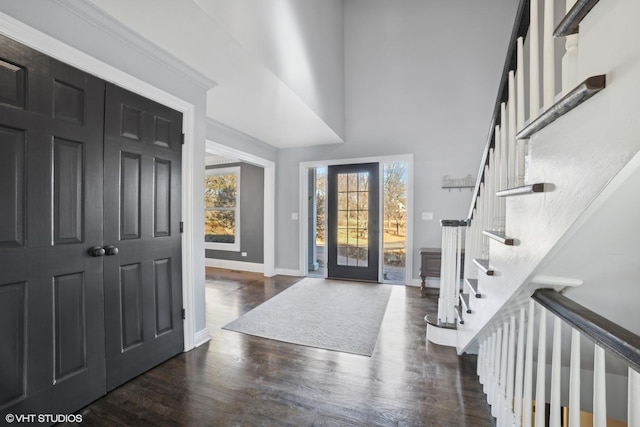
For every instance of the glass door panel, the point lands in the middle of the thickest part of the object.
(353, 210)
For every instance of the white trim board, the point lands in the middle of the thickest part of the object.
(202, 337)
(304, 210)
(289, 272)
(269, 260)
(234, 265)
(99, 18)
(48, 45)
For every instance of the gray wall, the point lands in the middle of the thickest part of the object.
(420, 78)
(251, 216)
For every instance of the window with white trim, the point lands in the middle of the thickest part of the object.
(222, 209)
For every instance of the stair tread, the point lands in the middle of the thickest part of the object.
(571, 22)
(464, 299)
(577, 96)
(472, 284)
(499, 237)
(483, 264)
(538, 187)
(459, 315)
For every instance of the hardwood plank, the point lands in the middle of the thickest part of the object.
(237, 379)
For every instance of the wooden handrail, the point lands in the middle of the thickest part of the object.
(605, 333)
(520, 29)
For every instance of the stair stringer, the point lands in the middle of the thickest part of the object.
(580, 154)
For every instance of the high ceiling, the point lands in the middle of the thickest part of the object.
(256, 53)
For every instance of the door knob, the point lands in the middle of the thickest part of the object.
(96, 251)
(110, 250)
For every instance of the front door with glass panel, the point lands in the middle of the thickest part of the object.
(353, 221)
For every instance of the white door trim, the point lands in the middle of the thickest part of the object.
(304, 207)
(50, 46)
(269, 167)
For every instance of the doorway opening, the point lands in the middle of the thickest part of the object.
(394, 219)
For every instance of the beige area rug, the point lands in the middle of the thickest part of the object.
(334, 315)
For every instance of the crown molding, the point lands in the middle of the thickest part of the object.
(99, 18)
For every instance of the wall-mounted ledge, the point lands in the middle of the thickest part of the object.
(499, 237)
(571, 22)
(525, 189)
(483, 265)
(577, 96)
(453, 223)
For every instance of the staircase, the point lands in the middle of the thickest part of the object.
(555, 208)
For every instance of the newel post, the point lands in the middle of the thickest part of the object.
(450, 269)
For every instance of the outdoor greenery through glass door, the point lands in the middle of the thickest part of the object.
(352, 221)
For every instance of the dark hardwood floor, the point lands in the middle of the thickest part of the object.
(240, 380)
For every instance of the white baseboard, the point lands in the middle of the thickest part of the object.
(201, 337)
(432, 283)
(414, 282)
(234, 265)
(288, 272)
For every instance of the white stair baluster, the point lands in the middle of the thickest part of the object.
(511, 354)
(541, 371)
(528, 370)
(633, 399)
(496, 375)
(534, 61)
(548, 61)
(491, 188)
(497, 150)
(458, 258)
(512, 162)
(520, 97)
(503, 373)
(570, 58)
(502, 184)
(554, 398)
(517, 408)
(469, 252)
(599, 388)
(480, 362)
(574, 380)
(488, 384)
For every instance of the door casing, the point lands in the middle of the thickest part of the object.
(304, 208)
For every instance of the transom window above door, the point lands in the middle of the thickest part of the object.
(222, 209)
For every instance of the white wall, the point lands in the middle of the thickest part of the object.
(300, 41)
(422, 78)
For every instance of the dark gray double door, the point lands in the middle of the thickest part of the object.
(90, 257)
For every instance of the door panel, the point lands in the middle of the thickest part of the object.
(51, 295)
(353, 221)
(12, 179)
(66, 336)
(143, 289)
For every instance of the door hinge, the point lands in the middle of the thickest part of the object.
(184, 314)
(181, 227)
(182, 138)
